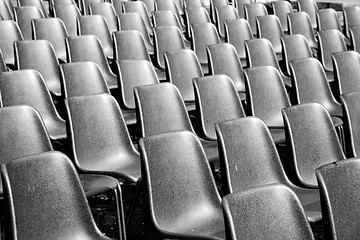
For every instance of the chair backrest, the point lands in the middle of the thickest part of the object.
(3, 67)
(133, 21)
(52, 4)
(313, 140)
(299, 23)
(355, 37)
(269, 27)
(84, 5)
(193, 4)
(105, 9)
(281, 9)
(160, 108)
(223, 59)
(330, 41)
(310, 7)
(167, 5)
(266, 95)
(166, 18)
(166, 38)
(239, 4)
(222, 14)
(248, 155)
(263, 206)
(101, 144)
(23, 16)
(295, 46)
(98, 26)
(215, 4)
(130, 44)
(82, 78)
(27, 87)
(217, 100)
(10, 32)
(340, 215)
(68, 13)
(37, 3)
(139, 7)
(350, 102)
(327, 18)
(351, 17)
(252, 11)
(39, 55)
(133, 73)
(38, 180)
(203, 34)
(194, 16)
(53, 30)
(5, 11)
(311, 85)
(77, 48)
(346, 71)
(181, 67)
(150, 5)
(118, 5)
(175, 167)
(237, 31)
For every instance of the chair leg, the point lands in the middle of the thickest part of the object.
(120, 212)
(134, 200)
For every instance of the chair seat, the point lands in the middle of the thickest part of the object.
(129, 116)
(94, 184)
(278, 135)
(57, 130)
(211, 150)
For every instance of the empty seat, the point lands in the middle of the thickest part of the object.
(23, 17)
(351, 18)
(262, 206)
(355, 38)
(39, 55)
(252, 11)
(5, 11)
(139, 7)
(54, 31)
(84, 5)
(313, 141)
(222, 14)
(327, 18)
(105, 9)
(194, 16)
(10, 32)
(299, 23)
(168, 5)
(167, 18)
(215, 4)
(175, 167)
(68, 13)
(281, 9)
(249, 159)
(310, 7)
(239, 4)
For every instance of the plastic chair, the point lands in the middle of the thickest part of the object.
(5, 11)
(39, 55)
(237, 31)
(118, 6)
(81, 79)
(341, 215)
(181, 67)
(274, 205)
(295, 46)
(252, 11)
(194, 211)
(266, 97)
(259, 52)
(102, 145)
(310, 7)
(187, 4)
(170, 115)
(194, 16)
(98, 26)
(10, 32)
(169, 5)
(203, 34)
(77, 48)
(281, 9)
(249, 159)
(327, 19)
(222, 14)
(68, 13)
(139, 7)
(215, 4)
(36, 3)
(217, 100)
(311, 85)
(330, 41)
(299, 23)
(23, 17)
(54, 31)
(84, 5)
(133, 21)
(167, 18)
(355, 38)
(351, 18)
(313, 141)
(346, 71)
(350, 101)
(27, 87)
(166, 38)
(52, 4)
(223, 59)
(38, 180)
(105, 9)
(150, 5)
(239, 4)
(269, 27)
(133, 73)
(3, 67)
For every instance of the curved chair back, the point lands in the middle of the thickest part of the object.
(194, 16)
(140, 8)
(23, 16)
(10, 32)
(252, 11)
(351, 18)
(263, 206)
(327, 19)
(310, 7)
(222, 14)
(269, 27)
(299, 23)
(281, 9)
(68, 13)
(105, 9)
